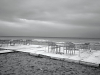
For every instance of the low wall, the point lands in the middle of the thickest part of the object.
(57, 58)
(68, 60)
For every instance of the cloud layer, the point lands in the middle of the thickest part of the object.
(62, 18)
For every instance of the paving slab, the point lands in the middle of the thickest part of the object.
(89, 58)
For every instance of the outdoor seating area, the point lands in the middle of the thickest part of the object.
(54, 47)
(74, 52)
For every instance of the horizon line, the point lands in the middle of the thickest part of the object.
(53, 37)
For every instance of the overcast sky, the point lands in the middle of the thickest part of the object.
(60, 18)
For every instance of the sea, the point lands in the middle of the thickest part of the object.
(54, 39)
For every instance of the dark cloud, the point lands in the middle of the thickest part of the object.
(50, 17)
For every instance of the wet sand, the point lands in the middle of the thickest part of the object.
(19, 63)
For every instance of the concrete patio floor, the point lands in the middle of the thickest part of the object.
(85, 57)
